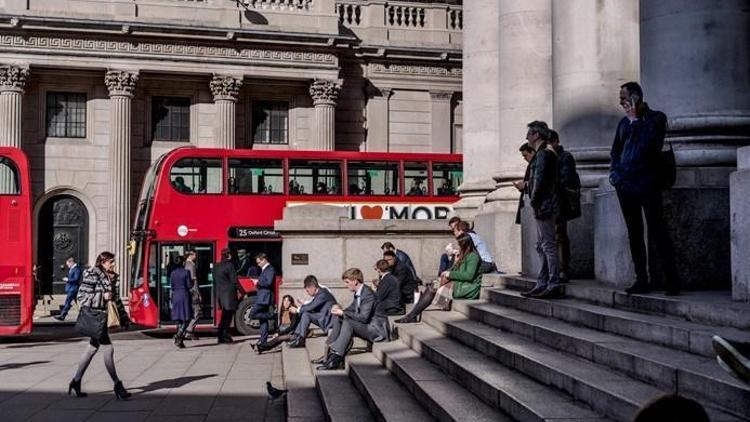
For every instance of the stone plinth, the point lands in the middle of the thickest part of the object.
(694, 211)
(739, 215)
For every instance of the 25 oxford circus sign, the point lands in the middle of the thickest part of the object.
(399, 211)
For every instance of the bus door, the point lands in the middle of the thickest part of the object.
(203, 267)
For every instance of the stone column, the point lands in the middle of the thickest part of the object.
(121, 86)
(521, 30)
(695, 68)
(739, 192)
(440, 112)
(226, 90)
(595, 49)
(378, 119)
(324, 94)
(12, 84)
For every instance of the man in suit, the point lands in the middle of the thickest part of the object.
(403, 257)
(225, 282)
(352, 321)
(243, 263)
(388, 302)
(316, 311)
(264, 300)
(72, 281)
(406, 282)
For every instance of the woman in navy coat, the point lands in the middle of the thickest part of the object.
(182, 307)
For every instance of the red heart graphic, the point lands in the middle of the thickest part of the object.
(371, 213)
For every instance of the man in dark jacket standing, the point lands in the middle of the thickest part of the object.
(225, 282)
(264, 299)
(543, 188)
(570, 202)
(634, 173)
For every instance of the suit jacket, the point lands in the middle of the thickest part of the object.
(403, 274)
(74, 276)
(406, 260)
(243, 266)
(264, 286)
(225, 282)
(321, 304)
(367, 302)
(388, 296)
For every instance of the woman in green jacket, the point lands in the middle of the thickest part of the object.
(464, 275)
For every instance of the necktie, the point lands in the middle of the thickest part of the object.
(356, 300)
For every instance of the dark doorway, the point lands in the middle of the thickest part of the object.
(63, 232)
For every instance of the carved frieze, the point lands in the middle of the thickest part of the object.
(324, 91)
(121, 82)
(416, 70)
(181, 50)
(225, 87)
(13, 78)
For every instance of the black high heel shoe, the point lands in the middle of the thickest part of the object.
(76, 386)
(120, 392)
(409, 319)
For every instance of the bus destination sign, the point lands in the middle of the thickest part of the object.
(253, 233)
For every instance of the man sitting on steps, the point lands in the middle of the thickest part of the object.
(316, 311)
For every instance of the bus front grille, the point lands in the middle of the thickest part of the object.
(10, 309)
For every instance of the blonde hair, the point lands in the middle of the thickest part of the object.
(353, 274)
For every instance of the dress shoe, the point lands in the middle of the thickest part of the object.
(297, 342)
(321, 360)
(638, 287)
(261, 347)
(734, 357)
(191, 336)
(551, 292)
(59, 318)
(534, 291)
(408, 319)
(178, 342)
(333, 363)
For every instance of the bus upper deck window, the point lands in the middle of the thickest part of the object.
(197, 176)
(372, 178)
(446, 177)
(9, 183)
(313, 177)
(415, 178)
(251, 176)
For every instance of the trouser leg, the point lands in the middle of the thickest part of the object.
(657, 229)
(563, 246)
(335, 330)
(303, 325)
(224, 323)
(631, 212)
(343, 339)
(548, 248)
(262, 313)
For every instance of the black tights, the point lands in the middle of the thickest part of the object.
(428, 295)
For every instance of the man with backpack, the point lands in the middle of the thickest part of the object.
(570, 202)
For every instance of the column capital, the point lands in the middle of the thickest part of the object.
(324, 91)
(441, 95)
(13, 78)
(121, 82)
(225, 87)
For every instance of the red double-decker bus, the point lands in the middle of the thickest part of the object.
(209, 199)
(16, 278)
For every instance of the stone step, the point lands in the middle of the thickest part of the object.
(340, 399)
(302, 401)
(387, 399)
(445, 399)
(674, 333)
(691, 375)
(695, 306)
(512, 392)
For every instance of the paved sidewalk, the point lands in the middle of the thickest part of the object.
(205, 382)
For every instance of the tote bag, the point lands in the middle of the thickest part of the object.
(91, 322)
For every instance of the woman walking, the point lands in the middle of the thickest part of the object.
(464, 279)
(94, 293)
(182, 307)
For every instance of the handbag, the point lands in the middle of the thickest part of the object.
(667, 168)
(444, 296)
(113, 316)
(91, 322)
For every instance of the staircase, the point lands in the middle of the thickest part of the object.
(597, 355)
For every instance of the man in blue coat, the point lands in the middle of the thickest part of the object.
(72, 281)
(317, 311)
(261, 310)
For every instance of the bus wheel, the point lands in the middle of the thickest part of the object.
(242, 321)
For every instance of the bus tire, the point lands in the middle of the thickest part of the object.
(242, 322)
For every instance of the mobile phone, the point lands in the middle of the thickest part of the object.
(634, 100)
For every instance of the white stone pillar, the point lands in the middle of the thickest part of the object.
(121, 86)
(595, 49)
(378, 119)
(226, 91)
(440, 112)
(522, 67)
(12, 84)
(324, 94)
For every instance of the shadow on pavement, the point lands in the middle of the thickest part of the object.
(173, 383)
(5, 366)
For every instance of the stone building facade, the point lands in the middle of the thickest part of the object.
(564, 62)
(95, 90)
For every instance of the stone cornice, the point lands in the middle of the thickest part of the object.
(166, 49)
(225, 87)
(324, 92)
(13, 78)
(416, 70)
(121, 82)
